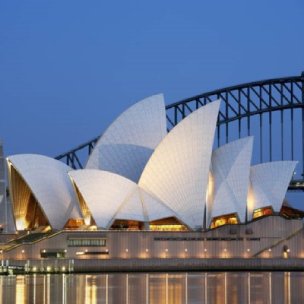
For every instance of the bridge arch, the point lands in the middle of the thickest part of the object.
(272, 110)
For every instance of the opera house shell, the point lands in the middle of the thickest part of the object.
(140, 177)
(150, 193)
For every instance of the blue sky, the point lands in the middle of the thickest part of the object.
(68, 68)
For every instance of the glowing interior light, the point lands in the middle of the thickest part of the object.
(210, 190)
(250, 202)
(87, 220)
(21, 223)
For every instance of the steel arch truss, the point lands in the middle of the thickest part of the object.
(271, 110)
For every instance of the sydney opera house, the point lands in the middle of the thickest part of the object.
(149, 193)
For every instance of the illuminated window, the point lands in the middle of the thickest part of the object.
(74, 223)
(53, 253)
(127, 225)
(262, 212)
(88, 242)
(231, 219)
(167, 224)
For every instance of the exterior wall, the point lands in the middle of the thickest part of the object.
(231, 241)
(294, 244)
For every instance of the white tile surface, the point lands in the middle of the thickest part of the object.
(230, 170)
(49, 181)
(268, 185)
(125, 147)
(177, 172)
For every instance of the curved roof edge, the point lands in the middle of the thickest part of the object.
(50, 184)
(268, 185)
(133, 137)
(230, 172)
(177, 172)
(104, 193)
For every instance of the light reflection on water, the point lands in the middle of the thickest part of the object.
(155, 288)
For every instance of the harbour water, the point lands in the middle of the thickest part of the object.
(155, 288)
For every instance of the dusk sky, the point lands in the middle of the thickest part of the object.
(68, 68)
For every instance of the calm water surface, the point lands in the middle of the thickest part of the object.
(155, 288)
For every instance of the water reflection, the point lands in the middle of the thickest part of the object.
(155, 288)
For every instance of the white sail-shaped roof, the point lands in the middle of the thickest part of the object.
(155, 209)
(230, 169)
(268, 185)
(104, 193)
(132, 208)
(51, 186)
(110, 196)
(177, 172)
(125, 147)
(144, 207)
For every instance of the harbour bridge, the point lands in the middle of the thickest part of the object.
(271, 110)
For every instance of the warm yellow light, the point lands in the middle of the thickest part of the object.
(250, 201)
(168, 228)
(262, 212)
(87, 219)
(21, 223)
(210, 190)
(223, 220)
